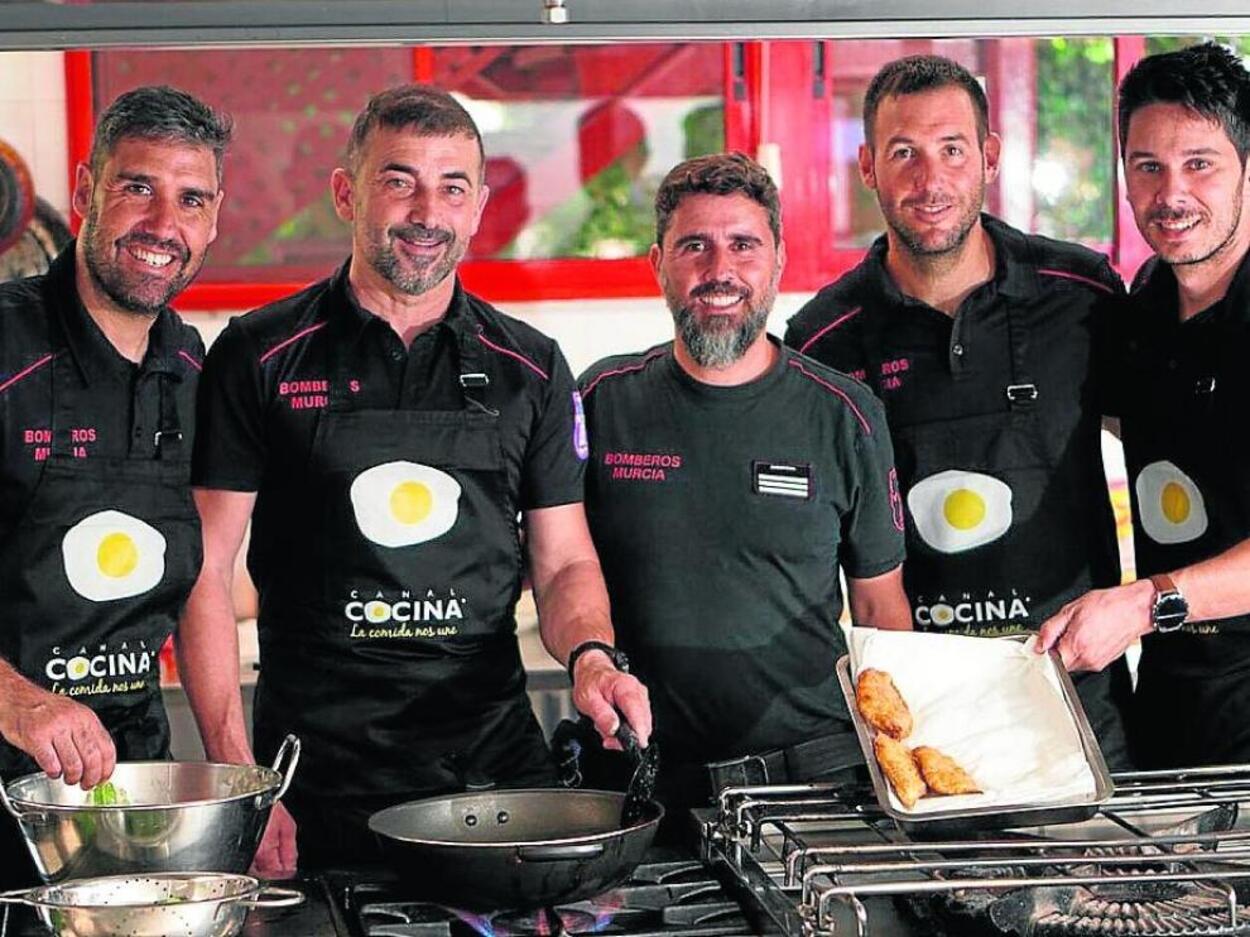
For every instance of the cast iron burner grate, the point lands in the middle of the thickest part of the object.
(1162, 909)
(678, 898)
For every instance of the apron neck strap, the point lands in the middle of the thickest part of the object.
(1021, 392)
(475, 382)
(167, 439)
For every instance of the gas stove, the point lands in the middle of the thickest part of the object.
(671, 894)
(1168, 854)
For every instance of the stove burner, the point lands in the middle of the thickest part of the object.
(664, 898)
(1147, 908)
(556, 923)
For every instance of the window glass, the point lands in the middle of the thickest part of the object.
(577, 140)
(1050, 100)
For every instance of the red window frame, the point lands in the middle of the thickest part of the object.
(496, 280)
(777, 101)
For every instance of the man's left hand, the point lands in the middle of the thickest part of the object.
(1092, 631)
(605, 694)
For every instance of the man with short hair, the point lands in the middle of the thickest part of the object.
(978, 338)
(100, 538)
(1182, 386)
(384, 430)
(730, 479)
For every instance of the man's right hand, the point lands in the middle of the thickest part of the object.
(65, 738)
(277, 855)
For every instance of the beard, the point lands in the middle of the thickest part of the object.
(920, 243)
(716, 342)
(407, 274)
(129, 290)
(1200, 253)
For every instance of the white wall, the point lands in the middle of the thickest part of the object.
(32, 119)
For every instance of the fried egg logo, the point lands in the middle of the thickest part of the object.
(1170, 504)
(398, 504)
(111, 555)
(956, 510)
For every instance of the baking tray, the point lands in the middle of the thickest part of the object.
(943, 823)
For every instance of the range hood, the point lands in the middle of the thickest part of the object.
(29, 24)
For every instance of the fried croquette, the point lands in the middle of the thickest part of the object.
(899, 768)
(942, 773)
(881, 705)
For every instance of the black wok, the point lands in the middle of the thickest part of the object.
(514, 850)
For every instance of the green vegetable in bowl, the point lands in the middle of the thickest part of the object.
(106, 794)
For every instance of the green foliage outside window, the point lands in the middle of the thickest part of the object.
(1074, 139)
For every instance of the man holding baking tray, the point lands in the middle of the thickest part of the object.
(1180, 348)
(99, 538)
(390, 432)
(979, 339)
(729, 479)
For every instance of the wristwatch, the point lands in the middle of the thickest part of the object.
(1170, 609)
(619, 660)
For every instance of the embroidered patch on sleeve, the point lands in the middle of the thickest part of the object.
(581, 440)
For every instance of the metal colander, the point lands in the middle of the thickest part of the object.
(162, 904)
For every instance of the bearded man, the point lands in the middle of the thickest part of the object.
(99, 538)
(730, 480)
(391, 433)
(979, 339)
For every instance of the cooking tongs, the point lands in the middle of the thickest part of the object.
(646, 766)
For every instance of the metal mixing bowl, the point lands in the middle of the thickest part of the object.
(177, 816)
(194, 904)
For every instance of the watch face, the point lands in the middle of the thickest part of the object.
(1170, 612)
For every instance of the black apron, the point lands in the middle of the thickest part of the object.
(1192, 704)
(95, 574)
(389, 646)
(1032, 550)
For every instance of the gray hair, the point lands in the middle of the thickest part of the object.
(161, 113)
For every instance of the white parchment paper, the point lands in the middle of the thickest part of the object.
(994, 706)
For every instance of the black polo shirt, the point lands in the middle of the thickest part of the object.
(722, 516)
(118, 402)
(267, 377)
(935, 367)
(1182, 393)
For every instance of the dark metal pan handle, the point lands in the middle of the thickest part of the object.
(557, 852)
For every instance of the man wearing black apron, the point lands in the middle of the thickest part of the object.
(769, 473)
(389, 429)
(978, 338)
(1180, 349)
(100, 538)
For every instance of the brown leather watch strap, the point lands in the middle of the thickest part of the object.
(1163, 583)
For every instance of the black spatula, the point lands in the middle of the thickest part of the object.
(642, 785)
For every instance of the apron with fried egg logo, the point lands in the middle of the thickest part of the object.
(1187, 456)
(994, 546)
(391, 648)
(95, 574)
(1185, 450)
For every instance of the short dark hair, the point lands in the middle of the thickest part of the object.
(1206, 79)
(424, 109)
(165, 114)
(914, 74)
(718, 174)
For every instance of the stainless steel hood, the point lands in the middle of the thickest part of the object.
(27, 24)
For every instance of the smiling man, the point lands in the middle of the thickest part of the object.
(99, 538)
(1181, 347)
(389, 431)
(730, 480)
(979, 339)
